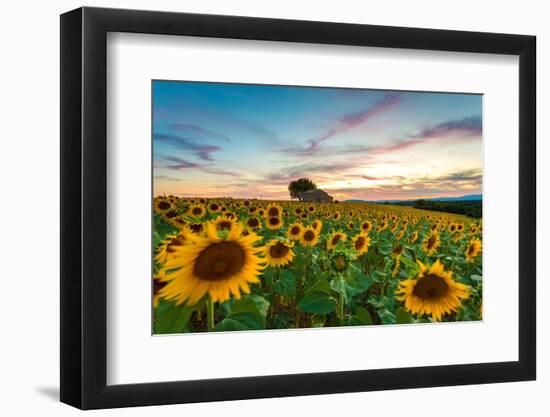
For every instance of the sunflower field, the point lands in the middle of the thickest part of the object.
(228, 264)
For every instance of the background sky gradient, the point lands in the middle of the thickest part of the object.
(250, 141)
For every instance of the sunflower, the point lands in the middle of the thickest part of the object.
(433, 291)
(253, 223)
(334, 238)
(196, 227)
(452, 227)
(274, 223)
(414, 237)
(311, 209)
(222, 223)
(400, 234)
(317, 225)
(278, 253)
(336, 216)
(196, 210)
(361, 243)
(295, 231)
(214, 207)
(473, 249)
(309, 237)
(219, 264)
(162, 205)
(351, 225)
(431, 242)
(273, 210)
(366, 226)
(340, 262)
(168, 247)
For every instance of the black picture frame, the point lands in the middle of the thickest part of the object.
(84, 207)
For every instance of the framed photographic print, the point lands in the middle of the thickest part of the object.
(262, 196)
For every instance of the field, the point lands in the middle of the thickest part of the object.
(228, 264)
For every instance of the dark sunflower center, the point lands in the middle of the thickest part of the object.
(273, 211)
(196, 227)
(163, 205)
(471, 249)
(279, 250)
(430, 287)
(224, 225)
(359, 243)
(366, 226)
(253, 222)
(197, 211)
(158, 285)
(219, 261)
(309, 236)
(431, 242)
(214, 207)
(171, 214)
(273, 221)
(311, 209)
(336, 239)
(294, 230)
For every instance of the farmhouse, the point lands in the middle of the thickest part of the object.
(317, 196)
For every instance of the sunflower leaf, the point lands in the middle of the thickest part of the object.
(317, 302)
(321, 285)
(286, 284)
(402, 316)
(240, 321)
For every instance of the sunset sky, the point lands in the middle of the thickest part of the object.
(250, 141)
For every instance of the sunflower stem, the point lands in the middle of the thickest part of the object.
(210, 314)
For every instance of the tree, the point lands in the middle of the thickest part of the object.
(297, 187)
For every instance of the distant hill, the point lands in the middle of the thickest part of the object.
(469, 197)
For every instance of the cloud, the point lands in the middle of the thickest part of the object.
(199, 132)
(348, 122)
(179, 164)
(202, 151)
(469, 126)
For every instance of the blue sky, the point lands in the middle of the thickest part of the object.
(249, 141)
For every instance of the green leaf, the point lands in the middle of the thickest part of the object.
(261, 303)
(321, 285)
(317, 302)
(402, 316)
(386, 316)
(362, 317)
(286, 284)
(378, 276)
(241, 321)
(245, 305)
(170, 318)
(385, 248)
(318, 320)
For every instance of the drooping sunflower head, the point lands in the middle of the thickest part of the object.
(219, 264)
(397, 250)
(294, 231)
(309, 237)
(432, 292)
(431, 242)
(473, 249)
(273, 210)
(340, 261)
(361, 243)
(274, 223)
(334, 238)
(278, 253)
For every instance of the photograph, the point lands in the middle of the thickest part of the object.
(285, 207)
